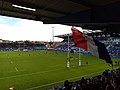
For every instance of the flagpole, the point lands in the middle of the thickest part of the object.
(79, 58)
(53, 36)
(68, 57)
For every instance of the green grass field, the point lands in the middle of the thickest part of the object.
(39, 70)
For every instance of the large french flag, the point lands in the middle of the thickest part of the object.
(94, 46)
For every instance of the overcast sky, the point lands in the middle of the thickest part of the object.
(21, 29)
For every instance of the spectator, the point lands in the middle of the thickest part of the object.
(107, 81)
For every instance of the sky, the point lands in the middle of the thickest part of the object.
(15, 29)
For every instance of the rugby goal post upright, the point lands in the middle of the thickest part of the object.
(68, 55)
(79, 58)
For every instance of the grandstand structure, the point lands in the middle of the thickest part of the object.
(112, 43)
(6, 45)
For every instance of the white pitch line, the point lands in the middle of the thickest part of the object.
(56, 65)
(16, 69)
(60, 81)
(30, 74)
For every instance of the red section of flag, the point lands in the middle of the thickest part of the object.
(79, 39)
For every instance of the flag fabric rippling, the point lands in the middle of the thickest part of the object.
(95, 47)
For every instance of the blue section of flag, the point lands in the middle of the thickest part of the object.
(103, 53)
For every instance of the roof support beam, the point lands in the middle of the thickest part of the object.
(37, 16)
(83, 2)
(16, 16)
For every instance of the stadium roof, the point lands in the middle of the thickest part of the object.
(89, 14)
(98, 34)
(64, 35)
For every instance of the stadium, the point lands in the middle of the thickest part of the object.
(28, 65)
(69, 64)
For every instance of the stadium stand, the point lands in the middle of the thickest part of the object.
(6, 45)
(114, 48)
(112, 44)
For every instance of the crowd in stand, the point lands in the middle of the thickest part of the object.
(108, 80)
(112, 44)
(5, 46)
(114, 51)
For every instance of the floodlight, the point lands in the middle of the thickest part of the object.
(31, 9)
